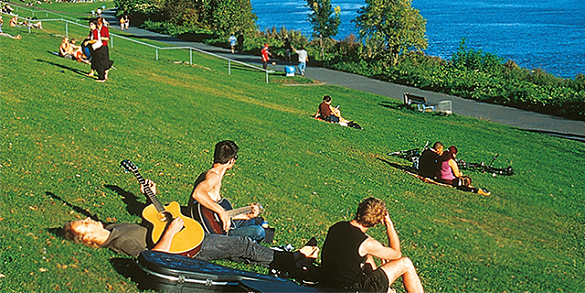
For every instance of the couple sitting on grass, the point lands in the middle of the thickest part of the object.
(328, 113)
(439, 164)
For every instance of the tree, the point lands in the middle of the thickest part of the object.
(391, 27)
(230, 16)
(323, 18)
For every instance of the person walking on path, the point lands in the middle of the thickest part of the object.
(233, 42)
(303, 59)
(265, 56)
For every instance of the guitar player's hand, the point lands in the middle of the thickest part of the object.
(175, 226)
(254, 213)
(150, 184)
(225, 220)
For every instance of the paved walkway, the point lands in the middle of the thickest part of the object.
(522, 119)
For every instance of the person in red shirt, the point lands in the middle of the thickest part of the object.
(265, 56)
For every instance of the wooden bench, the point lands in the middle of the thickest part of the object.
(421, 102)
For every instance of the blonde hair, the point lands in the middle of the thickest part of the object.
(71, 234)
(370, 212)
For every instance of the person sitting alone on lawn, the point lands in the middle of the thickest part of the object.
(347, 258)
(330, 114)
(448, 173)
(428, 160)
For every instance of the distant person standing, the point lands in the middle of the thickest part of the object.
(233, 42)
(122, 23)
(127, 21)
(303, 59)
(240, 43)
(265, 56)
(287, 50)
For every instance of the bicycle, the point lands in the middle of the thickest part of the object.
(482, 167)
(413, 155)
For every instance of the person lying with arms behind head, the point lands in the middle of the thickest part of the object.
(132, 239)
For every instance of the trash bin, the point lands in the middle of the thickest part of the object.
(289, 70)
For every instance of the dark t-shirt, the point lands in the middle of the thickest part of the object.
(324, 110)
(428, 163)
(127, 238)
(340, 259)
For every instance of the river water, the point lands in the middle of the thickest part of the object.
(534, 33)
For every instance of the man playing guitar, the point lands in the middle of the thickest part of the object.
(206, 196)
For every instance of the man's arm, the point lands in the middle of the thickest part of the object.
(201, 195)
(455, 168)
(164, 243)
(372, 247)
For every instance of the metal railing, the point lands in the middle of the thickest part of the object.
(157, 48)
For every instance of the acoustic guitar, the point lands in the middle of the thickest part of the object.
(188, 241)
(210, 220)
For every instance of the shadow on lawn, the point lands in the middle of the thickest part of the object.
(398, 166)
(128, 268)
(62, 66)
(59, 230)
(133, 206)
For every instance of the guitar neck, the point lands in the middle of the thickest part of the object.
(239, 211)
(159, 207)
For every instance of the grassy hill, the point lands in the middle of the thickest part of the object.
(64, 135)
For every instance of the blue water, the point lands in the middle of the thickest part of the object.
(533, 33)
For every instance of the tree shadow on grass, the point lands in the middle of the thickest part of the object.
(74, 70)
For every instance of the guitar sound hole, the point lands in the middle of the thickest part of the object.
(165, 216)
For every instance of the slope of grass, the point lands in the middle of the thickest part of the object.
(63, 136)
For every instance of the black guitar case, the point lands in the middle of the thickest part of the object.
(176, 273)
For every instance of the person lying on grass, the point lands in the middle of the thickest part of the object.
(131, 239)
(3, 34)
(347, 259)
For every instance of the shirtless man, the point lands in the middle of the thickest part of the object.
(206, 192)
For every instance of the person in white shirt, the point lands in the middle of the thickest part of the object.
(303, 59)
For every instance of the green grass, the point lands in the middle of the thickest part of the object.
(64, 135)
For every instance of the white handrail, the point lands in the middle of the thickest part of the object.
(149, 45)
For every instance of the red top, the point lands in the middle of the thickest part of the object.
(104, 33)
(265, 53)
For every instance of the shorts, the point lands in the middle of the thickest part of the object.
(376, 281)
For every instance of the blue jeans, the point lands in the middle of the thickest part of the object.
(239, 249)
(248, 228)
(302, 67)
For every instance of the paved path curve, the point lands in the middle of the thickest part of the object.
(527, 120)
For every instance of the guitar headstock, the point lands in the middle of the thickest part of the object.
(260, 207)
(129, 166)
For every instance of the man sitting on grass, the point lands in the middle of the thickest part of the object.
(347, 260)
(428, 160)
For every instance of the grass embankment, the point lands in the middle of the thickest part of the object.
(64, 135)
